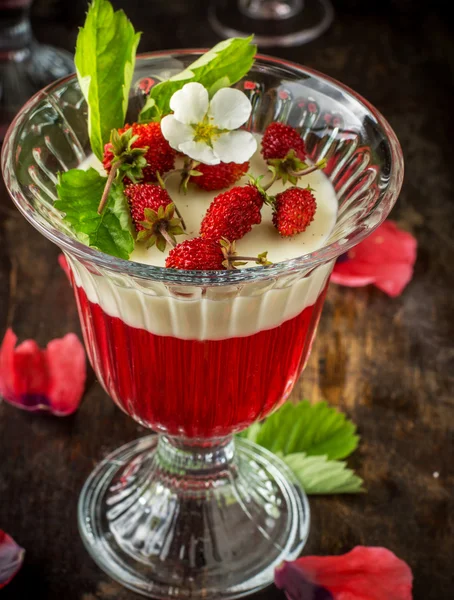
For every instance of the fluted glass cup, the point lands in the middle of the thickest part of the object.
(197, 356)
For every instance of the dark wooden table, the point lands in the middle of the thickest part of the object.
(387, 363)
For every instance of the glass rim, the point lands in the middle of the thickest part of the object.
(305, 262)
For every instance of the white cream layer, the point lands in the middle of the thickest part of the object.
(219, 313)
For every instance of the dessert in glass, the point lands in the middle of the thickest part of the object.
(199, 355)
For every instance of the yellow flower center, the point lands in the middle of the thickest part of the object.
(204, 132)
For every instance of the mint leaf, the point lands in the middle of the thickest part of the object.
(316, 429)
(105, 57)
(318, 475)
(222, 66)
(79, 194)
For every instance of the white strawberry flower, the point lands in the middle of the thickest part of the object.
(204, 130)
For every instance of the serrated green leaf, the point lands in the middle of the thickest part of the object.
(250, 433)
(316, 429)
(222, 66)
(222, 82)
(318, 475)
(150, 111)
(79, 194)
(105, 57)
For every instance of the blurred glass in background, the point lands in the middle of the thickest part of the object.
(25, 65)
(274, 22)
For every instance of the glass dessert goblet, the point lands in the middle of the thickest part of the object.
(198, 356)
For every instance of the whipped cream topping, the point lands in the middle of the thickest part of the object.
(226, 311)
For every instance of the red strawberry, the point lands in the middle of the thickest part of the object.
(218, 177)
(232, 214)
(279, 139)
(294, 210)
(159, 156)
(198, 254)
(145, 195)
(152, 212)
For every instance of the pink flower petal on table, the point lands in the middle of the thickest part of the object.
(64, 265)
(385, 258)
(365, 573)
(11, 558)
(49, 380)
(67, 374)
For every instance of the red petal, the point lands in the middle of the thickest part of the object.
(23, 373)
(6, 364)
(348, 279)
(365, 573)
(30, 369)
(64, 265)
(67, 370)
(43, 380)
(11, 558)
(385, 258)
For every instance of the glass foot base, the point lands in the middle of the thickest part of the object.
(311, 21)
(168, 523)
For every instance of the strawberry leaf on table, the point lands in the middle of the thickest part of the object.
(79, 194)
(316, 429)
(318, 475)
(105, 57)
(309, 438)
(222, 66)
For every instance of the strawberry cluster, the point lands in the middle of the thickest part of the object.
(141, 152)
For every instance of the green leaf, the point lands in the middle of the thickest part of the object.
(79, 194)
(250, 433)
(318, 475)
(150, 111)
(222, 66)
(316, 429)
(105, 57)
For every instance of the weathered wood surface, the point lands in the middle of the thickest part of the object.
(388, 363)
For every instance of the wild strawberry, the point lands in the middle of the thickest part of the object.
(159, 155)
(233, 213)
(279, 139)
(294, 210)
(152, 212)
(145, 195)
(198, 254)
(201, 254)
(218, 177)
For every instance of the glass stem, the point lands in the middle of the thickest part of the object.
(209, 459)
(270, 9)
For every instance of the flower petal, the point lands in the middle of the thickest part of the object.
(175, 132)
(365, 573)
(64, 265)
(385, 258)
(49, 380)
(6, 364)
(67, 373)
(235, 146)
(190, 104)
(31, 377)
(350, 280)
(201, 152)
(11, 558)
(229, 108)
(290, 578)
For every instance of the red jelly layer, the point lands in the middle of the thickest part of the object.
(192, 388)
